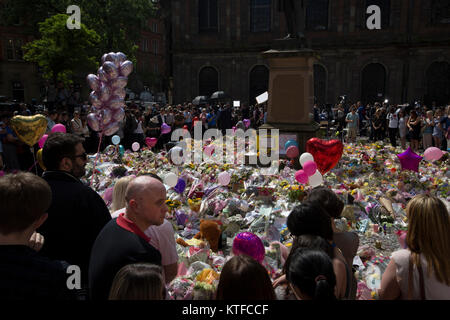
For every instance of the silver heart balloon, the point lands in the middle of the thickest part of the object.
(122, 57)
(119, 115)
(126, 68)
(113, 58)
(93, 122)
(102, 75)
(106, 116)
(121, 93)
(119, 82)
(105, 93)
(116, 103)
(94, 99)
(93, 82)
(111, 70)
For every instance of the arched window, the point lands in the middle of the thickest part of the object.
(440, 11)
(208, 81)
(260, 15)
(438, 83)
(320, 84)
(385, 7)
(259, 82)
(207, 16)
(317, 15)
(373, 83)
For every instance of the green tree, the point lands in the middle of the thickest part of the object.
(61, 52)
(118, 22)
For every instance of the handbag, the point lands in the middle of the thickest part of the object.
(411, 282)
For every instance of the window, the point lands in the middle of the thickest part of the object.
(320, 84)
(438, 84)
(260, 15)
(259, 82)
(385, 7)
(155, 46)
(317, 15)
(440, 11)
(14, 49)
(18, 91)
(208, 16)
(144, 45)
(373, 83)
(155, 27)
(208, 81)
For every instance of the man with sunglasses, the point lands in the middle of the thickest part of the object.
(77, 213)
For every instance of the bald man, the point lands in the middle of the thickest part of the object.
(123, 241)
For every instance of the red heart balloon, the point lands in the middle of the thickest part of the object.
(326, 153)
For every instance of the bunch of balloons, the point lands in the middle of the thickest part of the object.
(309, 173)
(107, 97)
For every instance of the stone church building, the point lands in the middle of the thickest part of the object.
(217, 45)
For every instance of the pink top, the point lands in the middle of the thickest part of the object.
(434, 290)
(162, 238)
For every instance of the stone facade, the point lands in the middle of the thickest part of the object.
(403, 51)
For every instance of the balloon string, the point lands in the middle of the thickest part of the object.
(96, 158)
(35, 163)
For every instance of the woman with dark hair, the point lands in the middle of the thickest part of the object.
(414, 124)
(311, 219)
(347, 242)
(140, 281)
(244, 278)
(311, 276)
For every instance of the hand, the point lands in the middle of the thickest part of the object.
(279, 281)
(36, 241)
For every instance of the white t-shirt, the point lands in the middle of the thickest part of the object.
(393, 120)
(162, 238)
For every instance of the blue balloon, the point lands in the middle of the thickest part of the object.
(121, 150)
(290, 143)
(115, 140)
(181, 185)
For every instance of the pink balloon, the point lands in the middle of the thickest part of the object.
(135, 146)
(93, 82)
(93, 122)
(126, 68)
(433, 153)
(107, 196)
(59, 128)
(409, 160)
(249, 244)
(224, 178)
(246, 123)
(209, 150)
(165, 128)
(42, 141)
(151, 142)
(301, 176)
(310, 167)
(292, 152)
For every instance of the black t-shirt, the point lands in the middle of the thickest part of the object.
(115, 248)
(25, 275)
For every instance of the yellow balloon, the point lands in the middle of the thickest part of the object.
(39, 159)
(29, 129)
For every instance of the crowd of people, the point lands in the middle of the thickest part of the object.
(422, 126)
(139, 122)
(55, 222)
(129, 253)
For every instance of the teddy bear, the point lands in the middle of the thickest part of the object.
(209, 231)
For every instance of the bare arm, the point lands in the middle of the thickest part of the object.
(390, 289)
